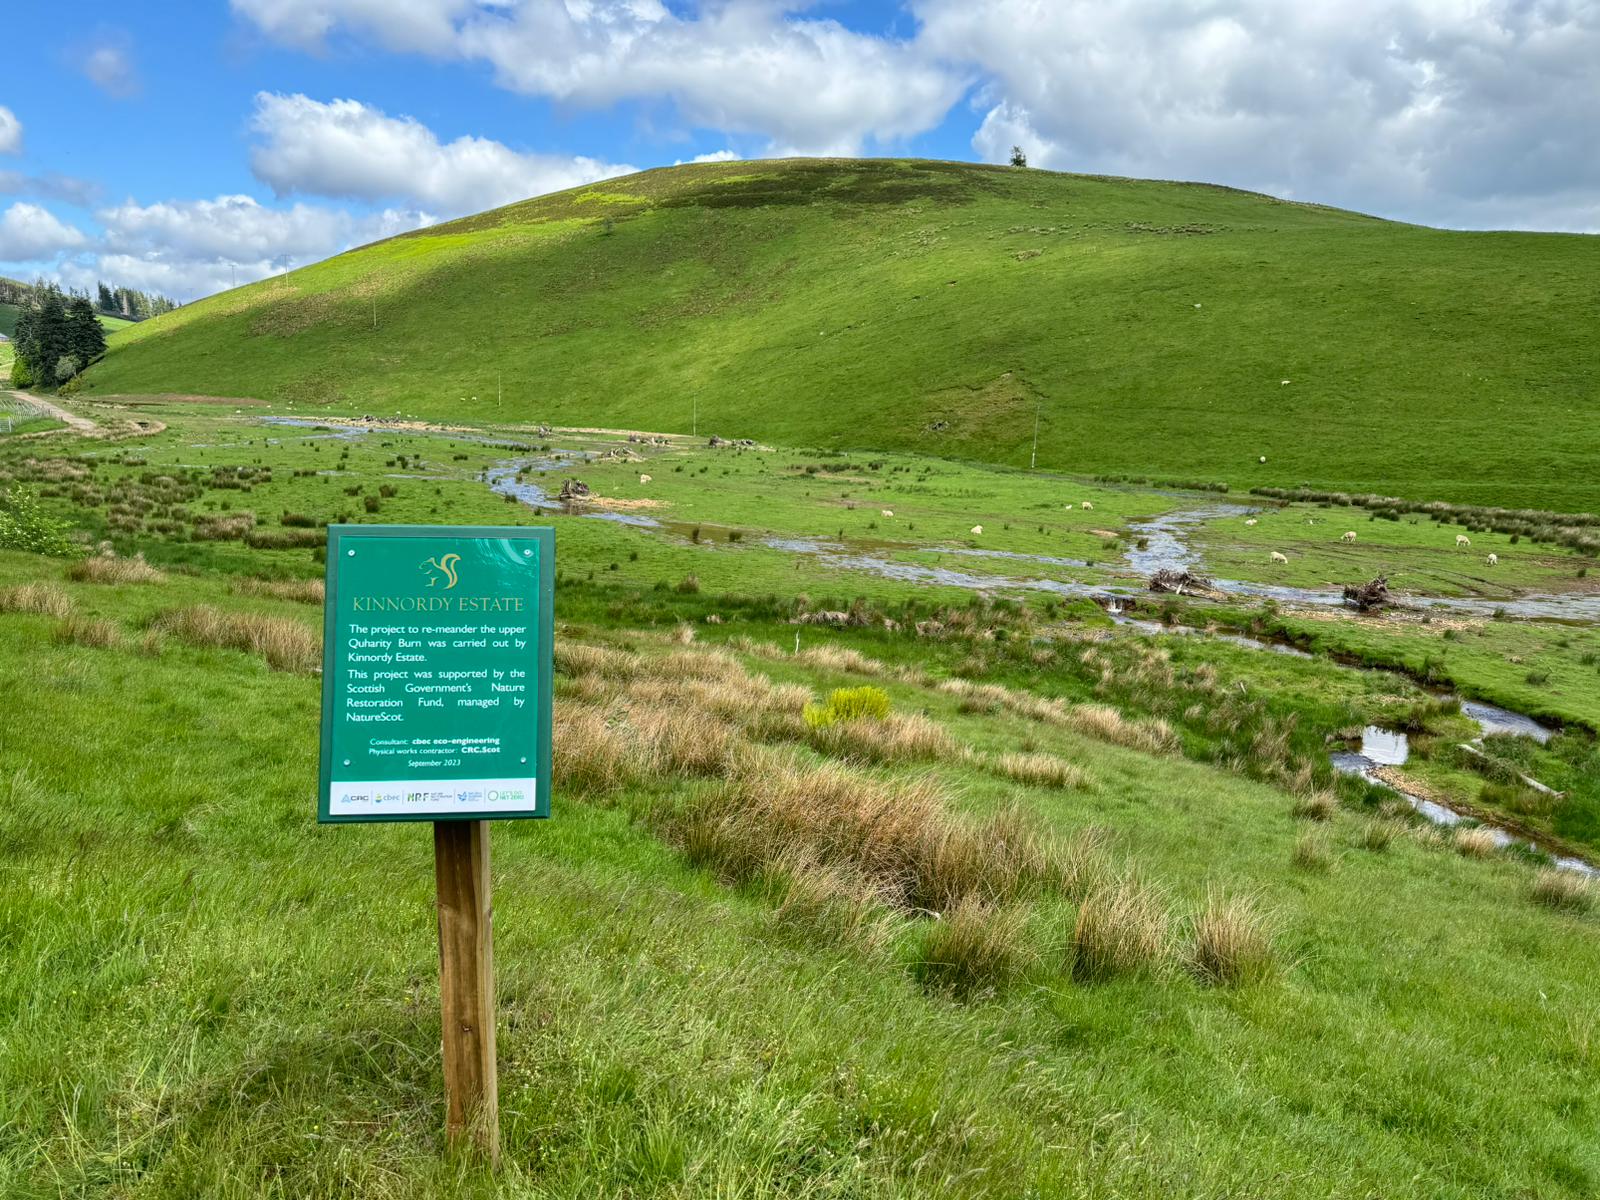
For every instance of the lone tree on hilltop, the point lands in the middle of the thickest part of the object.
(1018, 157)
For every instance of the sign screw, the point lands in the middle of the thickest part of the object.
(347, 761)
(527, 554)
(351, 553)
(524, 759)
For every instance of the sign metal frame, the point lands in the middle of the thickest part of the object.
(541, 539)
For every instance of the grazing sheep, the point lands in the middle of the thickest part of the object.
(644, 479)
(1251, 521)
(1349, 537)
(1087, 504)
(1263, 458)
(977, 529)
(1463, 540)
(888, 512)
(1493, 560)
(1279, 558)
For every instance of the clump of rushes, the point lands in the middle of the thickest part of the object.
(286, 645)
(898, 737)
(840, 658)
(976, 947)
(301, 591)
(1376, 835)
(1232, 942)
(108, 569)
(1477, 842)
(95, 632)
(1316, 806)
(1312, 852)
(1038, 770)
(39, 599)
(1567, 890)
(1122, 929)
(689, 585)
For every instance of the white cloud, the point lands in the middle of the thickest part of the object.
(108, 64)
(1454, 113)
(193, 247)
(715, 156)
(29, 233)
(745, 66)
(10, 132)
(348, 149)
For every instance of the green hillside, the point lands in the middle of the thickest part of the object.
(937, 307)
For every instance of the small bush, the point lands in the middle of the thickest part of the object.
(848, 704)
(1567, 890)
(1123, 929)
(1232, 942)
(26, 526)
(975, 947)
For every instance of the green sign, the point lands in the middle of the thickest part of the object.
(436, 673)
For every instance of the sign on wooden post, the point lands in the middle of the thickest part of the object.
(436, 689)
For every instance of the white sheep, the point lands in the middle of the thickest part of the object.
(1493, 560)
(1251, 521)
(1463, 540)
(888, 512)
(644, 479)
(1087, 504)
(1263, 458)
(977, 529)
(1348, 537)
(1279, 558)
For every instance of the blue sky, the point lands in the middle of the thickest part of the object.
(184, 145)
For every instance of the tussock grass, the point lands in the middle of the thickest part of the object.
(830, 903)
(1477, 842)
(839, 658)
(1312, 852)
(1316, 806)
(1231, 943)
(1106, 724)
(108, 569)
(1376, 834)
(40, 599)
(286, 645)
(590, 756)
(1121, 929)
(1037, 770)
(578, 659)
(95, 632)
(898, 834)
(975, 947)
(899, 737)
(301, 591)
(1567, 890)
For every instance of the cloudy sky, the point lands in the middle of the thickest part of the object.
(186, 146)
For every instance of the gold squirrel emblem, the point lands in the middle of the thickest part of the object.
(445, 567)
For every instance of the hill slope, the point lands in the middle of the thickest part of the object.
(936, 306)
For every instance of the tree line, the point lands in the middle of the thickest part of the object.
(113, 301)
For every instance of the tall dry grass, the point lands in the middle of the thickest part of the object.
(1123, 928)
(300, 591)
(1231, 943)
(976, 947)
(1556, 888)
(106, 568)
(1106, 724)
(285, 644)
(898, 737)
(1477, 842)
(94, 632)
(1037, 770)
(39, 599)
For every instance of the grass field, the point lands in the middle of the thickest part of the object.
(1158, 329)
(205, 993)
(1138, 939)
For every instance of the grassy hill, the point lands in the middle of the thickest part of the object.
(8, 321)
(1158, 329)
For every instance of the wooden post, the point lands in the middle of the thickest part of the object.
(466, 985)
